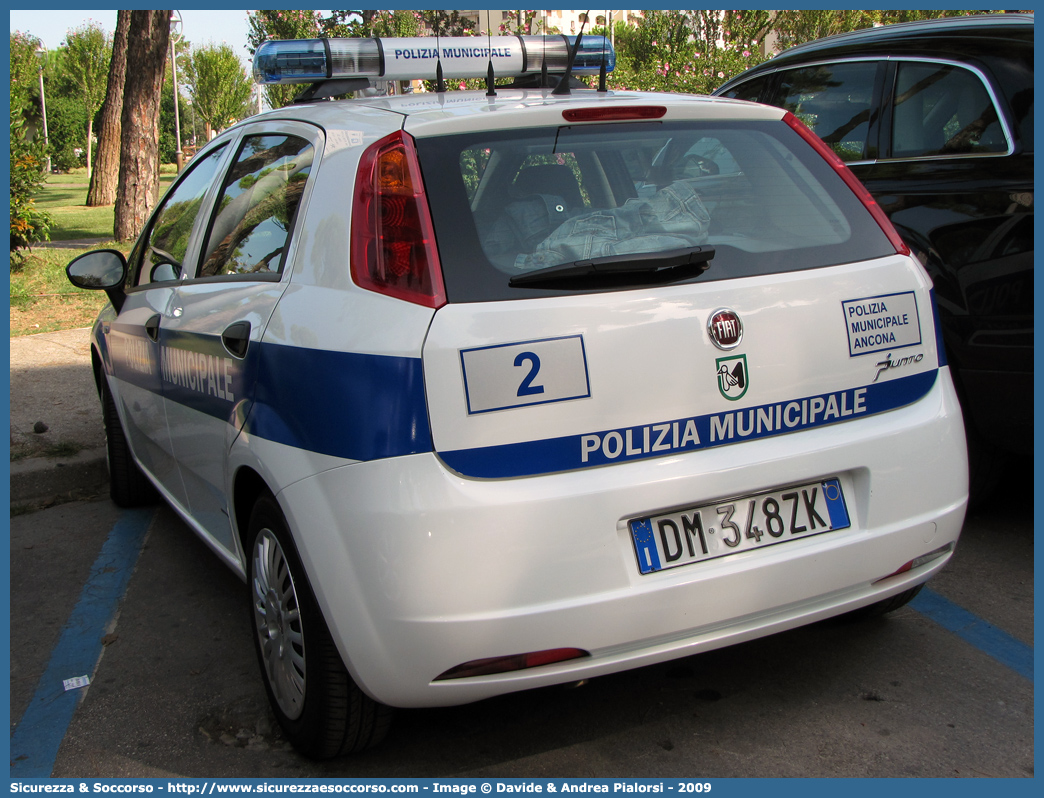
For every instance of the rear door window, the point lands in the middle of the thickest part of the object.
(506, 203)
(835, 100)
(943, 109)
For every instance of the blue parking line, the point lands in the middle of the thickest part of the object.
(36, 739)
(984, 636)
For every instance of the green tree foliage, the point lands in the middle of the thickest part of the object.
(797, 27)
(529, 23)
(28, 223)
(168, 144)
(388, 24)
(698, 50)
(25, 66)
(887, 17)
(220, 87)
(689, 51)
(448, 23)
(168, 147)
(283, 24)
(66, 124)
(366, 24)
(66, 114)
(87, 53)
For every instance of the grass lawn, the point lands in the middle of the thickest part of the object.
(64, 195)
(73, 219)
(42, 298)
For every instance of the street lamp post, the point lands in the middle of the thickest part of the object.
(175, 34)
(40, 51)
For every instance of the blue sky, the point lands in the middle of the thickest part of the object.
(199, 26)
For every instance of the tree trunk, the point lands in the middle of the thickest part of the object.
(106, 170)
(138, 187)
(90, 135)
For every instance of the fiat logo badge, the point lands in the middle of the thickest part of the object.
(725, 328)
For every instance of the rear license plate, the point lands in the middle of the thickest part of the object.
(729, 527)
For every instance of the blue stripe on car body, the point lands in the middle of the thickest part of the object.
(573, 452)
(367, 407)
(344, 404)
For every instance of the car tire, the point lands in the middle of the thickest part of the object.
(128, 485)
(319, 706)
(885, 606)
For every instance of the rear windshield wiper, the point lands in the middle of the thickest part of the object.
(642, 268)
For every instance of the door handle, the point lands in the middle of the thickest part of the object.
(152, 327)
(236, 338)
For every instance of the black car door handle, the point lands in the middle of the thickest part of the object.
(152, 327)
(236, 338)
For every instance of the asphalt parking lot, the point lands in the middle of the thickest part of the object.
(176, 691)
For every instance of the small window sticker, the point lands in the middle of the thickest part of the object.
(339, 139)
(879, 323)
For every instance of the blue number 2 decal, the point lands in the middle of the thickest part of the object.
(527, 388)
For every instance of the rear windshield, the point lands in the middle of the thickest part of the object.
(511, 202)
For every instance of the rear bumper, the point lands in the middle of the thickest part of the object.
(419, 570)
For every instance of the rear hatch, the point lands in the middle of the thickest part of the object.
(623, 289)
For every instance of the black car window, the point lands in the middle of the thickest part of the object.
(941, 109)
(1012, 72)
(835, 101)
(166, 241)
(256, 208)
(752, 90)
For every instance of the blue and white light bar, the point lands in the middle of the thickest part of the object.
(315, 60)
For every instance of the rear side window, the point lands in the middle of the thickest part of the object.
(752, 90)
(835, 101)
(257, 205)
(507, 203)
(941, 109)
(1013, 75)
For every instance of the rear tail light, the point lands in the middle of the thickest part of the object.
(393, 242)
(851, 180)
(515, 662)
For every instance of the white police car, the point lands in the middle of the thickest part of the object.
(481, 392)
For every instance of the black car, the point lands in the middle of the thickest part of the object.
(936, 119)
